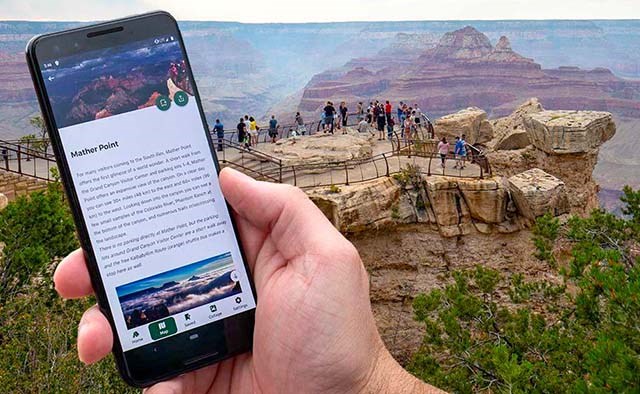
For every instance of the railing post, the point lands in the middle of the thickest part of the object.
(19, 159)
(295, 179)
(280, 169)
(386, 162)
(5, 156)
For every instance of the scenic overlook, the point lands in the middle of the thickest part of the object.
(487, 173)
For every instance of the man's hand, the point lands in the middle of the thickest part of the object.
(314, 331)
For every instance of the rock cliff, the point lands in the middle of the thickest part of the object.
(411, 229)
(564, 144)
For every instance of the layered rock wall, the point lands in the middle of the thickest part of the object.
(14, 185)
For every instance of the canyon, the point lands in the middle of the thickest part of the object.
(464, 69)
(413, 229)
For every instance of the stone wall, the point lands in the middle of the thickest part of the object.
(14, 185)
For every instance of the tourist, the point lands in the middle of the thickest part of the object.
(360, 111)
(465, 150)
(387, 110)
(343, 113)
(408, 125)
(242, 133)
(443, 150)
(370, 110)
(417, 109)
(300, 127)
(254, 131)
(246, 128)
(369, 117)
(460, 153)
(416, 120)
(218, 128)
(390, 124)
(363, 126)
(273, 129)
(399, 112)
(329, 113)
(381, 120)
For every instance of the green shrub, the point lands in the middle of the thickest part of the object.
(545, 233)
(34, 230)
(555, 340)
(38, 346)
(37, 328)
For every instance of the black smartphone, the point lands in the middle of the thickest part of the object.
(138, 165)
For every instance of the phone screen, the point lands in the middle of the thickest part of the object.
(146, 183)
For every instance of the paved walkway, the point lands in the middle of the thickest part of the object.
(339, 175)
(258, 165)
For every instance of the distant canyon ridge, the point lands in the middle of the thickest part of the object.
(264, 69)
(465, 69)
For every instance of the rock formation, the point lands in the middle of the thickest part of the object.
(566, 132)
(509, 132)
(452, 206)
(564, 144)
(534, 172)
(323, 148)
(536, 193)
(471, 121)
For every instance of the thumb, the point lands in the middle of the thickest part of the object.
(284, 212)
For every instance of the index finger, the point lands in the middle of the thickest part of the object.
(71, 278)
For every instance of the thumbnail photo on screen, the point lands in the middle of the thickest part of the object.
(178, 290)
(112, 81)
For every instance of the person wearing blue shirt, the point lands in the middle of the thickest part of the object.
(273, 129)
(460, 150)
(218, 128)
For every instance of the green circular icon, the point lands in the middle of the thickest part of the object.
(181, 98)
(163, 103)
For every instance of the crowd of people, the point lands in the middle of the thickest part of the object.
(411, 121)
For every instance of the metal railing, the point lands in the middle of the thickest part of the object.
(413, 149)
(18, 159)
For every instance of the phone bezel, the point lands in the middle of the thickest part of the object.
(149, 23)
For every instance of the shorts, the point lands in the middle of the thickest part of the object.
(273, 133)
(253, 133)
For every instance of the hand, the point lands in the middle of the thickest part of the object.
(314, 331)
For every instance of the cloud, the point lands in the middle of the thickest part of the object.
(322, 10)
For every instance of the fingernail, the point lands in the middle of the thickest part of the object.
(81, 325)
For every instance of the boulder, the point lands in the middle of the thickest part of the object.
(471, 121)
(363, 206)
(486, 199)
(323, 148)
(536, 192)
(509, 132)
(569, 132)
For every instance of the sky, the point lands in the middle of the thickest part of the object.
(273, 11)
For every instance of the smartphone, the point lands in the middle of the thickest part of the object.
(138, 165)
